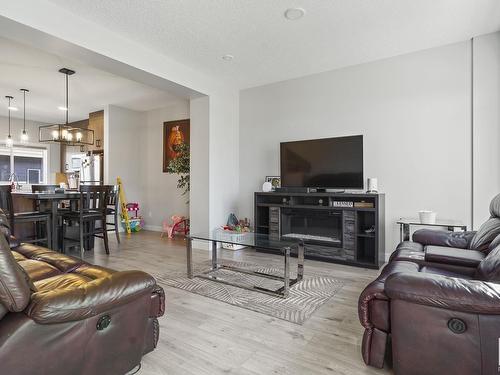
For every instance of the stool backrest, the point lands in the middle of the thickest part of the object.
(6, 202)
(95, 197)
(113, 197)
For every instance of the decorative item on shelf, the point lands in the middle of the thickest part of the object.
(343, 204)
(363, 204)
(24, 134)
(9, 142)
(427, 217)
(370, 230)
(66, 133)
(372, 185)
(267, 187)
(275, 181)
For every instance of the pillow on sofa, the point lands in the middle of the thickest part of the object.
(486, 234)
(489, 268)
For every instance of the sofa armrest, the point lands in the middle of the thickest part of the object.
(90, 299)
(469, 296)
(453, 256)
(375, 290)
(428, 237)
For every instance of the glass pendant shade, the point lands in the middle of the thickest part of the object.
(9, 142)
(24, 137)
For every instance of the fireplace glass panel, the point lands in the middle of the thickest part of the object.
(313, 225)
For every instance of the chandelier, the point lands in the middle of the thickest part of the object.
(66, 133)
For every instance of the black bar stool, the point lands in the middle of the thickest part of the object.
(91, 210)
(33, 217)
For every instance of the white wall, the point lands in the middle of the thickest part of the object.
(486, 123)
(161, 197)
(53, 150)
(414, 113)
(223, 157)
(122, 144)
(199, 165)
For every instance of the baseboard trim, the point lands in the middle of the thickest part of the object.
(153, 228)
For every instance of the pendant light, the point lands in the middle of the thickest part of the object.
(9, 142)
(66, 133)
(24, 134)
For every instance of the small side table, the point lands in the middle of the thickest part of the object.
(406, 223)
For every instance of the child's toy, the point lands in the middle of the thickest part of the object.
(133, 207)
(136, 224)
(180, 224)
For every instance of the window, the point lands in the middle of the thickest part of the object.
(25, 162)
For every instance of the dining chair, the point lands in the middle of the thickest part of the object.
(91, 210)
(113, 208)
(31, 217)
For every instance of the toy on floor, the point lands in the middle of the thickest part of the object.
(133, 207)
(137, 222)
(180, 224)
(233, 224)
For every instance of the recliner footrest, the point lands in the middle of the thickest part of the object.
(453, 256)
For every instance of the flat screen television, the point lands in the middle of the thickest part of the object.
(328, 163)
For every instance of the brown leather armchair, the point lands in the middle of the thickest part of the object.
(60, 315)
(434, 319)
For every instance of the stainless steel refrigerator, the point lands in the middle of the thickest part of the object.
(92, 169)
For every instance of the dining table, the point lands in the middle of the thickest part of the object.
(52, 199)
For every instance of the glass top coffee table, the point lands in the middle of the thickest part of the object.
(262, 241)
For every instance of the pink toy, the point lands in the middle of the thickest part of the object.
(134, 207)
(180, 224)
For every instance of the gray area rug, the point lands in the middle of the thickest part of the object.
(304, 299)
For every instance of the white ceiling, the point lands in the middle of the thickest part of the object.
(89, 89)
(269, 48)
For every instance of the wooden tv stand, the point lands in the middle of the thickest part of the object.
(333, 231)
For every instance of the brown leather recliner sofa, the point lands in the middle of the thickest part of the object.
(60, 315)
(435, 308)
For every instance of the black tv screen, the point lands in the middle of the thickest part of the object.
(334, 163)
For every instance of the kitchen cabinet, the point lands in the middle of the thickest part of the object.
(96, 123)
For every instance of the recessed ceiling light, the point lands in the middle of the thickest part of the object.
(61, 108)
(293, 14)
(227, 57)
(12, 108)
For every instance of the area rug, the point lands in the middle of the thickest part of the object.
(304, 299)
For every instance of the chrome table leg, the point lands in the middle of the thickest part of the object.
(214, 256)
(286, 287)
(300, 261)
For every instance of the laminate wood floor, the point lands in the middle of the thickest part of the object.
(203, 336)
